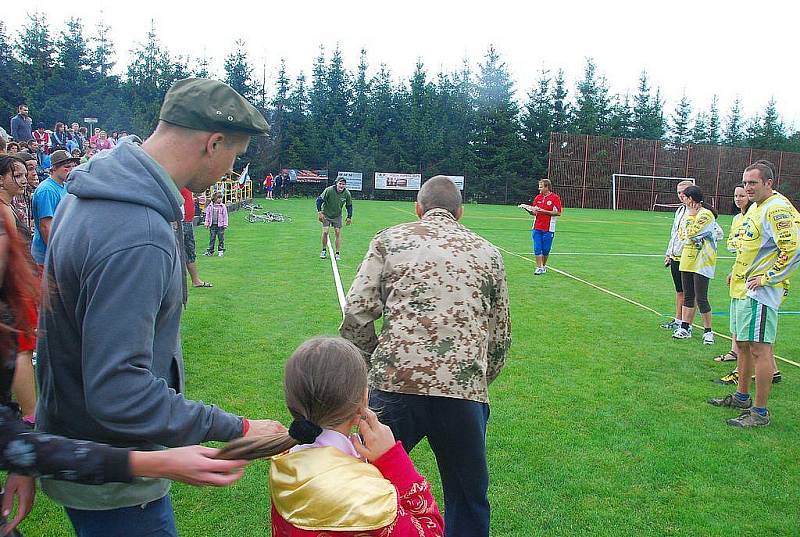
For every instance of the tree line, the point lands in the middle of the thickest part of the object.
(466, 121)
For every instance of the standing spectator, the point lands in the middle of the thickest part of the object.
(76, 139)
(42, 137)
(46, 199)
(446, 331)
(329, 213)
(58, 140)
(42, 159)
(278, 185)
(188, 238)
(22, 124)
(111, 370)
(216, 220)
(767, 256)
(268, 186)
(546, 208)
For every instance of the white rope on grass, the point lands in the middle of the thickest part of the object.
(336, 278)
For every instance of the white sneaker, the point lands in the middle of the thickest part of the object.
(221, 253)
(323, 254)
(681, 333)
(337, 257)
(538, 271)
(708, 338)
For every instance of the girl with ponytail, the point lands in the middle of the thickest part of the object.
(326, 478)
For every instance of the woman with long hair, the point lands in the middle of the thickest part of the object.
(698, 232)
(59, 138)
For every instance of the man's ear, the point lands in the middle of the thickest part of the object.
(214, 141)
(418, 209)
(460, 213)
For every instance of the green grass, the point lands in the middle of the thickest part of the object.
(599, 424)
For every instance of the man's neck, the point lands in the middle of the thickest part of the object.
(56, 179)
(169, 156)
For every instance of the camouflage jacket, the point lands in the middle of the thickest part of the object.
(444, 299)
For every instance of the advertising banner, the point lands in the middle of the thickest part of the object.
(458, 180)
(354, 180)
(397, 181)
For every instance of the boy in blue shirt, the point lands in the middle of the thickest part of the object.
(46, 199)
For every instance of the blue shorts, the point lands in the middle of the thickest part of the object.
(542, 241)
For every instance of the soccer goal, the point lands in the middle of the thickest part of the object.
(643, 191)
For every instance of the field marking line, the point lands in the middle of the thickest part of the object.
(336, 278)
(603, 254)
(630, 301)
(604, 290)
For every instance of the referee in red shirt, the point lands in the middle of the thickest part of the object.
(546, 208)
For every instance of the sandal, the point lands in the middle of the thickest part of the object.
(204, 284)
(729, 356)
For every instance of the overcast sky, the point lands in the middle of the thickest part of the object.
(705, 47)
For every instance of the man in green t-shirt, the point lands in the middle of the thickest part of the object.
(329, 207)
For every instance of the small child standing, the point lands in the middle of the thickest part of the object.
(324, 479)
(216, 220)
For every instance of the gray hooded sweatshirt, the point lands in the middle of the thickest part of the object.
(110, 366)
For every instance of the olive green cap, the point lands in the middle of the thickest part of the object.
(211, 106)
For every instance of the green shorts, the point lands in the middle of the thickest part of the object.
(753, 321)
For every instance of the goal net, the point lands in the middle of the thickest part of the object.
(645, 192)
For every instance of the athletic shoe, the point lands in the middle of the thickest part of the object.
(544, 269)
(221, 253)
(750, 418)
(337, 257)
(672, 325)
(539, 271)
(730, 401)
(690, 331)
(730, 378)
(708, 338)
(323, 254)
(681, 333)
(207, 253)
(776, 377)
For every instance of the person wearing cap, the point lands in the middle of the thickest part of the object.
(46, 198)
(110, 365)
(329, 213)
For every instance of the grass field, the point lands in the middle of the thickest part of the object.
(599, 424)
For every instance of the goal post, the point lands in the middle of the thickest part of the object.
(618, 178)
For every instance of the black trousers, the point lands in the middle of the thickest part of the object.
(695, 289)
(456, 432)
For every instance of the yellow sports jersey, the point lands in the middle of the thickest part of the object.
(700, 246)
(769, 246)
(733, 235)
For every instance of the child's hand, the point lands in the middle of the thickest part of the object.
(378, 438)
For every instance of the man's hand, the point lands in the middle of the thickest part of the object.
(755, 283)
(321, 217)
(263, 427)
(348, 221)
(24, 489)
(195, 465)
(667, 260)
(378, 438)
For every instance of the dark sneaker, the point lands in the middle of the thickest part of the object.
(730, 378)
(731, 401)
(776, 377)
(750, 418)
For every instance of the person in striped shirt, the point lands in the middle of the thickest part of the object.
(767, 257)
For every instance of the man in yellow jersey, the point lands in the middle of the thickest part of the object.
(768, 255)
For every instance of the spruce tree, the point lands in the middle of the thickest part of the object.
(537, 124)
(239, 72)
(700, 129)
(714, 126)
(10, 90)
(734, 127)
(591, 102)
(621, 121)
(561, 108)
(681, 121)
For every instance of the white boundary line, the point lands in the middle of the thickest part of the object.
(648, 308)
(603, 254)
(336, 278)
(612, 293)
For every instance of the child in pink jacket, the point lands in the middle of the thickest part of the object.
(216, 219)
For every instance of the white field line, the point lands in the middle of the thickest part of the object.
(336, 278)
(612, 293)
(605, 254)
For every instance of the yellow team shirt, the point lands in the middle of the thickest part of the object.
(769, 246)
(733, 235)
(700, 247)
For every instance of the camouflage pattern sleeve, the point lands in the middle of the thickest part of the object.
(499, 325)
(364, 303)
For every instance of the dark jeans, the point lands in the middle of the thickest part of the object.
(153, 520)
(216, 231)
(456, 431)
